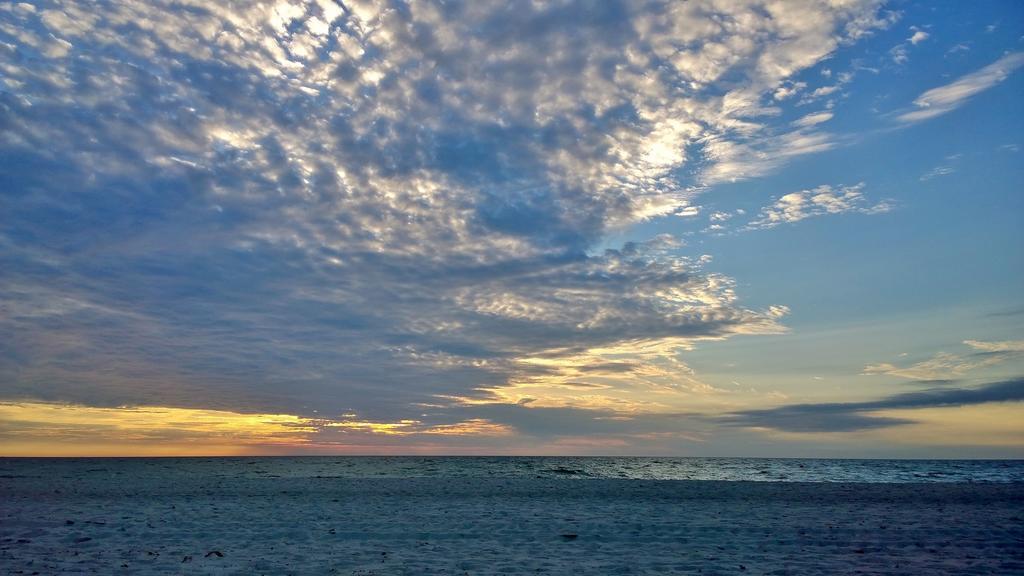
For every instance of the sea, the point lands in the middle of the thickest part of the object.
(567, 468)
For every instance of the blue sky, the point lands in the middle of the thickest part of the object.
(714, 228)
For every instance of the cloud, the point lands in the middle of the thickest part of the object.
(917, 37)
(788, 90)
(942, 365)
(813, 119)
(942, 170)
(824, 199)
(937, 172)
(852, 416)
(945, 365)
(1015, 346)
(60, 429)
(901, 52)
(732, 161)
(378, 209)
(959, 47)
(943, 99)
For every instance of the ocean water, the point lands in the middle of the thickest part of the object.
(569, 468)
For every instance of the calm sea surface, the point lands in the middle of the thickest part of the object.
(570, 468)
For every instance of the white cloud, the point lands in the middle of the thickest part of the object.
(943, 99)
(819, 201)
(937, 172)
(945, 365)
(813, 119)
(949, 167)
(788, 90)
(731, 161)
(959, 47)
(900, 54)
(824, 91)
(997, 346)
(302, 204)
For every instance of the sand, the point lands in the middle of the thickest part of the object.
(108, 524)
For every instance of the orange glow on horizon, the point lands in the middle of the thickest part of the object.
(46, 429)
(50, 429)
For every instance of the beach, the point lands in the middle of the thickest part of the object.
(103, 522)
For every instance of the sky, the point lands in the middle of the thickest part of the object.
(710, 228)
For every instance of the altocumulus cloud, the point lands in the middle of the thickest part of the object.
(820, 201)
(376, 209)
